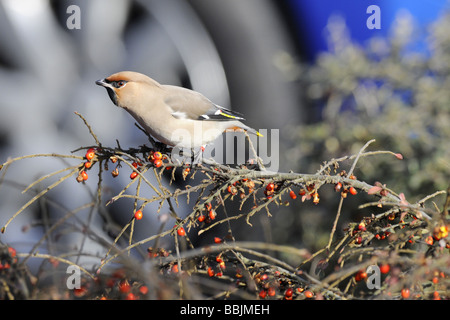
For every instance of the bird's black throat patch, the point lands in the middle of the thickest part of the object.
(112, 95)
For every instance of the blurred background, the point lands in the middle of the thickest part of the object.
(284, 64)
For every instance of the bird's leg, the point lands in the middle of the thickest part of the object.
(188, 156)
(197, 157)
(162, 147)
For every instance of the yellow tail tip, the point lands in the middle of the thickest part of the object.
(246, 130)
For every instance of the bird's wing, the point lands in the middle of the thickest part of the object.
(189, 104)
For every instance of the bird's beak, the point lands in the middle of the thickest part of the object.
(110, 89)
(102, 83)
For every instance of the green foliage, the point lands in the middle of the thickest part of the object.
(387, 92)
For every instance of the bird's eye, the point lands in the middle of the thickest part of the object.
(119, 84)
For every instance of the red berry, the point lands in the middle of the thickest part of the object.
(271, 291)
(157, 155)
(201, 218)
(436, 296)
(80, 292)
(84, 175)
(292, 195)
(212, 214)
(88, 164)
(316, 198)
(138, 215)
(405, 293)
(131, 296)
(181, 232)
(90, 154)
(352, 191)
(133, 175)
(262, 294)
(309, 294)
(338, 187)
(288, 292)
(124, 286)
(157, 163)
(211, 272)
(360, 275)
(270, 187)
(217, 240)
(143, 290)
(384, 268)
(186, 172)
(12, 252)
(115, 172)
(232, 189)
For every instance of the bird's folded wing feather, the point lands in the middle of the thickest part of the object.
(188, 104)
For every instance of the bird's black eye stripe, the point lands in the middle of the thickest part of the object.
(117, 84)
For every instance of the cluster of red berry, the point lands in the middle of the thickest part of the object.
(345, 189)
(210, 214)
(158, 252)
(7, 259)
(435, 278)
(114, 286)
(276, 286)
(239, 187)
(90, 160)
(388, 227)
(155, 157)
(16, 281)
(217, 269)
(273, 285)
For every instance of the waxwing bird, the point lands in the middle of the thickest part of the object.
(173, 115)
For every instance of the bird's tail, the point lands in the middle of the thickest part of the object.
(245, 128)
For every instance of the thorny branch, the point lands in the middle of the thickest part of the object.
(401, 235)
